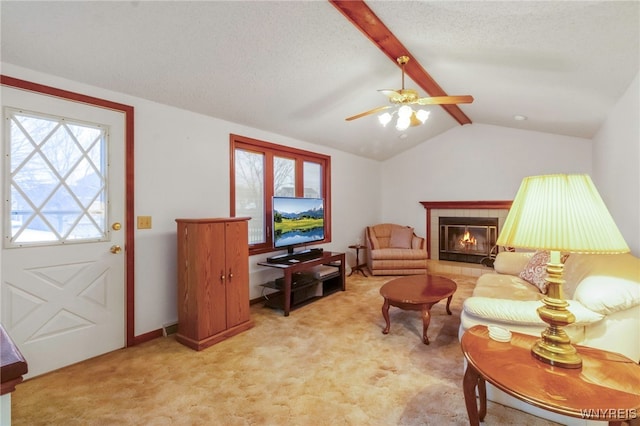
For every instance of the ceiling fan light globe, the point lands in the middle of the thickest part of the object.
(422, 115)
(403, 123)
(405, 111)
(384, 119)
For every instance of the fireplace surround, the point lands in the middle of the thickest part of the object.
(436, 209)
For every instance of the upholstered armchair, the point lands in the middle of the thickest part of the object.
(395, 250)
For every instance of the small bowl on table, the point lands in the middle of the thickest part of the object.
(499, 334)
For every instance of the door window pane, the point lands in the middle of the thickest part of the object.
(57, 178)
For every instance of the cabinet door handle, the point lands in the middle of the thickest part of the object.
(230, 275)
(222, 277)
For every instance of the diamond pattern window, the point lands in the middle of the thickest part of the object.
(57, 174)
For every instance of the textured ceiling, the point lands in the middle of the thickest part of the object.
(299, 68)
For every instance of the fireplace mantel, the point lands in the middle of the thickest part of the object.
(444, 205)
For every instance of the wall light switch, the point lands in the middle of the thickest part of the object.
(144, 222)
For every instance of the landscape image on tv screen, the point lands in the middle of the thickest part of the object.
(297, 220)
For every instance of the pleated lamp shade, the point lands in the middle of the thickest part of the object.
(561, 213)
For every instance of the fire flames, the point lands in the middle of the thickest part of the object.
(467, 240)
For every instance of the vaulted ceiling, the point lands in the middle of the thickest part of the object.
(299, 68)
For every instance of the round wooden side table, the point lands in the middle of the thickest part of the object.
(606, 388)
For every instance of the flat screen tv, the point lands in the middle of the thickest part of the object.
(297, 221)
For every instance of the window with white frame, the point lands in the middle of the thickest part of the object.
(56, 174)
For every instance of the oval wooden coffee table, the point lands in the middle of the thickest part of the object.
(416, 293)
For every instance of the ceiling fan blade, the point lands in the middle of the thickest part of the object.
(373, 111)
(393, 95)
(445, 100)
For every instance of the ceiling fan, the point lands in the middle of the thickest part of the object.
(405, 97)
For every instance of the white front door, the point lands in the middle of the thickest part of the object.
(63, 263)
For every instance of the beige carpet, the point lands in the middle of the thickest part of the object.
(326, 364)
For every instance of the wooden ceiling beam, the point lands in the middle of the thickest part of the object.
(363, 18)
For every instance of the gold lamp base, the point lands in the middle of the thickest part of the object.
(556, 350)
(555, 347)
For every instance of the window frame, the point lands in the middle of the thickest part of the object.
(271, 150)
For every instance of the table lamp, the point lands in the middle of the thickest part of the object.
(559, 213)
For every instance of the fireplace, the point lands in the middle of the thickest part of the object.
(460, 209)
(467, 239)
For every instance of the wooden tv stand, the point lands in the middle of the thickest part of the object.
(330, 283)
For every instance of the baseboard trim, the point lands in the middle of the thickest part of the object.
(142, 338)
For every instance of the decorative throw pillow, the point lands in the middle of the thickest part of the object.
(536, 270)
(401, 237)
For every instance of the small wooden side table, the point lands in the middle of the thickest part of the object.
(606, 388)
(358, 267)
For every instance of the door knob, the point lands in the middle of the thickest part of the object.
(115, 249)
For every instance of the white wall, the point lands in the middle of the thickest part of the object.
(474, 162)
(616, 164)
(182, 170)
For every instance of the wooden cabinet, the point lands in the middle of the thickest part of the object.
(213, 280)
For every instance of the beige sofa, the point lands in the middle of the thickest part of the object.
(395, 250)
(603, 292)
